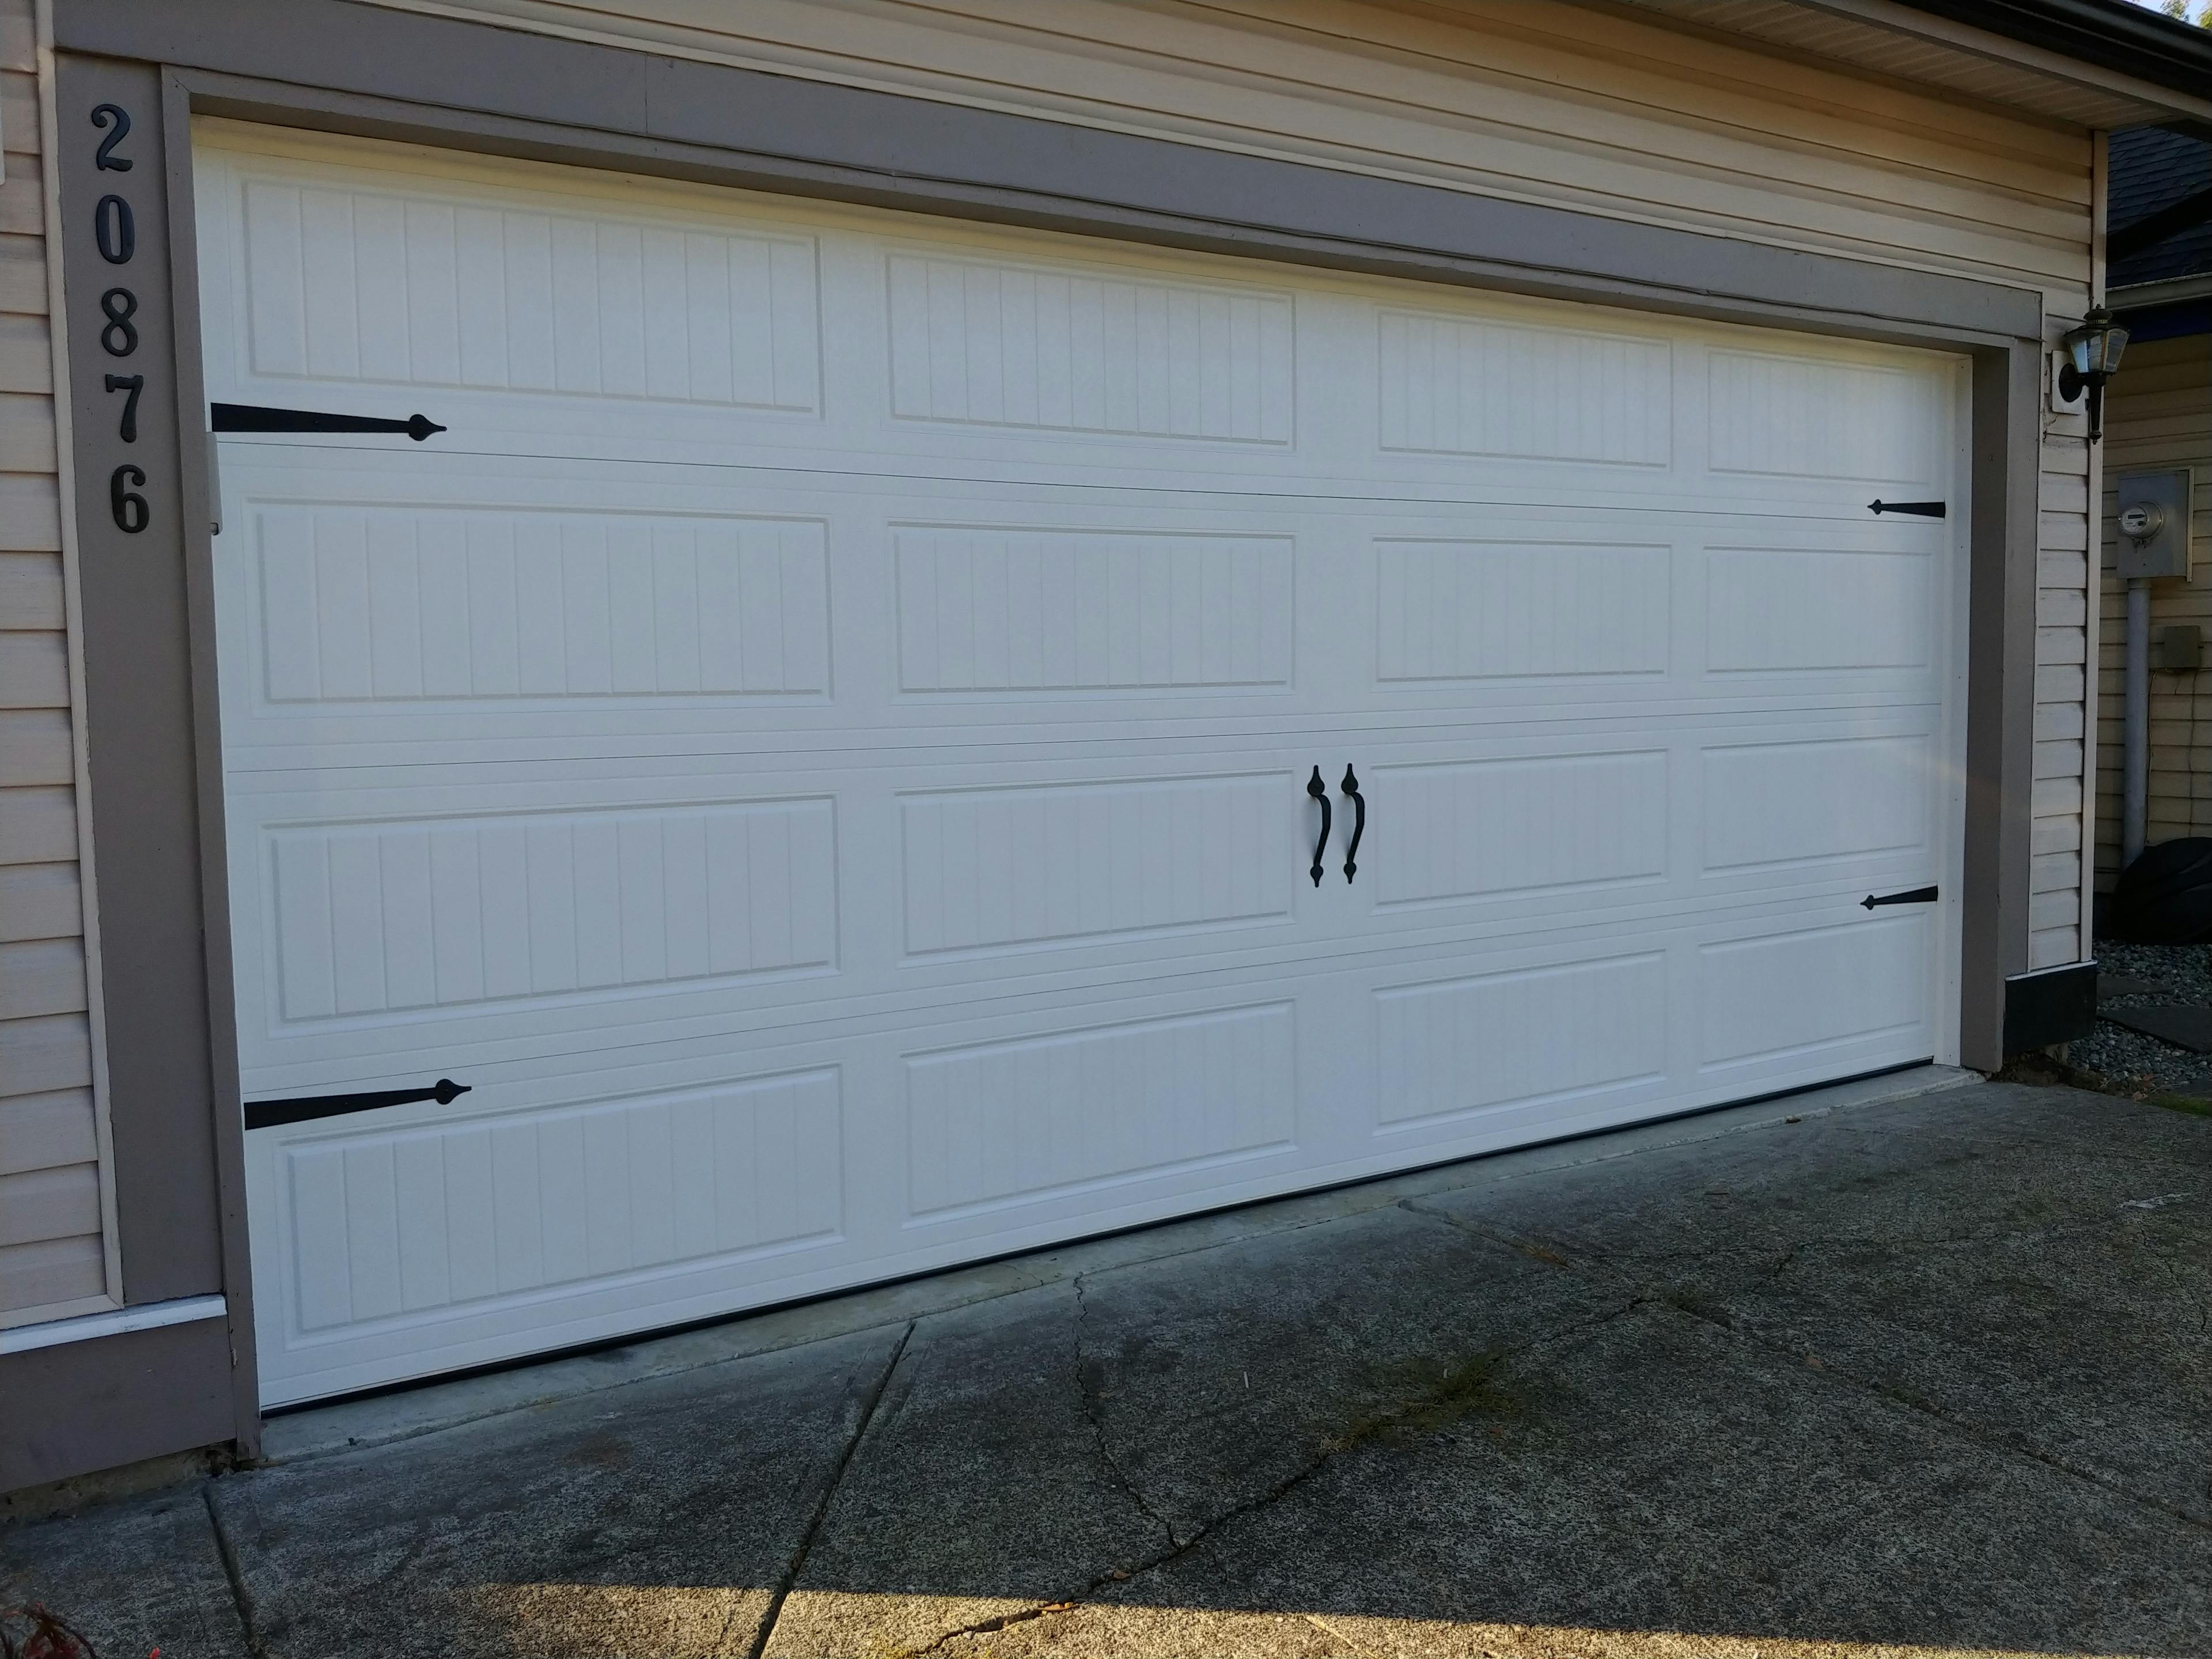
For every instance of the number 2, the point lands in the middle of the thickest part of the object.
(104, 158)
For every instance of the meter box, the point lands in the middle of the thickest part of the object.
(2152, 527)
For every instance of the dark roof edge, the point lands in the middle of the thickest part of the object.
(2113, 34)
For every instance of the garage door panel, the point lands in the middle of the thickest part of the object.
(1788, 610)
(1813, 801)
(1033, 346)
(442, 913)
(1009, 609)
(1044, 865)
(1451, 1049)
(436, 1217)
(400, 943)
(1073, 1111)
(681, 743)
(390, 1226)
(594, 317)
(565, 1202)
(1459, 831)
(1094, 870)
(443, 605)
(379, 279)
(357, 605)
(682, 1022)
(1472, 609)
(1784, 995)
(1813, 417)
(1580, 394)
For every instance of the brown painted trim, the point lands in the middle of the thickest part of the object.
(140, 736)
(2000, 692)
(114, 1400)
(601, 106)
(195, 489)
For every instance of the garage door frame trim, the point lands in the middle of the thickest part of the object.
(371, 72)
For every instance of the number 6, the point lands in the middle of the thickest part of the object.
(129, 507)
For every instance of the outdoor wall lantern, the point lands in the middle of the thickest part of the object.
(2093, 357)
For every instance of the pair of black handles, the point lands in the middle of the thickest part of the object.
(1319, 791)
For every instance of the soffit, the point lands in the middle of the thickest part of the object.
(1900, 44)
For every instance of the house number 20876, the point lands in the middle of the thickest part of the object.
(115, 234)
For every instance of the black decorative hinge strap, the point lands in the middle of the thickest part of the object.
(1917, 895)
(302, 1109)
(253, 417)
(1919, 509)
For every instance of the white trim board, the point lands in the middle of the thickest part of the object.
(152, 1316)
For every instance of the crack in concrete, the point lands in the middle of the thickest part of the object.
(1404, 1414)
(797, 1562)
(1528, 1247)
(989, 1627)
(1782, 1263)
(1095, 1418)
(1376, 1424)
(2172, 1270)
(1961, 1427)
(1965, 1429)
(241, 1598)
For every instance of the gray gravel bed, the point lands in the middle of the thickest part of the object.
(2183, 973)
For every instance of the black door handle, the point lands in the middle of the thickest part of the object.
(1319, 791)
(302, 1109)
(1917, 895)
(1350, 786)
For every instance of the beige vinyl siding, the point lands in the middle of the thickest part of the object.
(2158, 414)
(1534, 100)
(2058, 840)
(54, 1258)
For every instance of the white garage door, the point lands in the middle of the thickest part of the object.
(820, 748)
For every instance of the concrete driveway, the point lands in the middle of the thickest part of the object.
(1847, 1375)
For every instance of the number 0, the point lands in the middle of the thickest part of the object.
(115, 231)
(129, 507)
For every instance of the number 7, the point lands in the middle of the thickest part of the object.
(134, 384)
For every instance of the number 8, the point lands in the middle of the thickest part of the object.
(119, 305)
